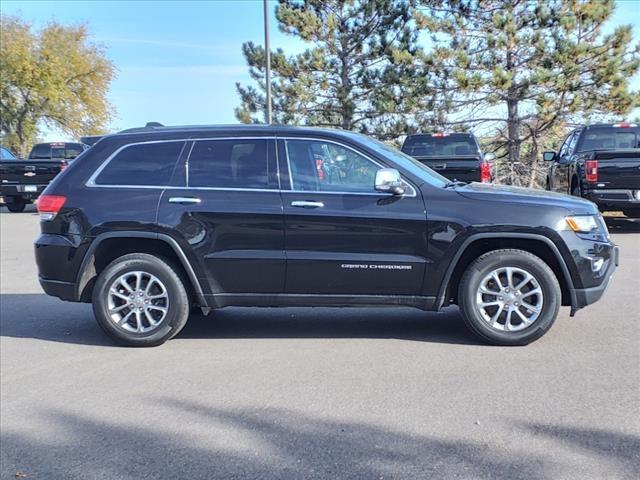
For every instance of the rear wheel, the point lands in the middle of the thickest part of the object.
(140, 301)
(17, 205)
(509, 297)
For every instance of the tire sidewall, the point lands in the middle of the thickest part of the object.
(543, 274)
(16, 206)
(178, 303)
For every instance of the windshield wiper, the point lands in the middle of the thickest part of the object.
(454, 183)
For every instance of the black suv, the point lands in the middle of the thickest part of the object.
(151, 222)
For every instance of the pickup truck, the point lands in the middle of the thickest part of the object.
(21, 181)
(600, 163)
(456, 156)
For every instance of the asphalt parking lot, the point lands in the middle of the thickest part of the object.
(316, 393)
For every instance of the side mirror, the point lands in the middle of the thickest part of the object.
(388, 180)
(549, 156)
(489, 157)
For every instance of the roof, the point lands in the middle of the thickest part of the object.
(193, 131)
(251, 127)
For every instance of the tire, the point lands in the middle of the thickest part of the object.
(517, 332)
(575, 189)
(16, 206)
(631, 212)
(166, 285)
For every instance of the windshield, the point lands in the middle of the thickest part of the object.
(609, 139)
(447, 146)
(405, 162)
(6, 154)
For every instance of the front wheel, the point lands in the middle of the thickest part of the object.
(140, 301)
(509, 297)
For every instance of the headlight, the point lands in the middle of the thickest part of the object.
(582, 223)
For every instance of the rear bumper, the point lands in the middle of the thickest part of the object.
(56, 288)
(58, 259)
(614, 198)
(581, 297)
(24, 192)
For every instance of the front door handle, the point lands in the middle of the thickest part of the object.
(184, 200)
(306, 204)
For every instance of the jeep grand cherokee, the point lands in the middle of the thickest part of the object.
(151, 222)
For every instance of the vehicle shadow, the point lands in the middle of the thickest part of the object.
(41, 317)
(622, 224)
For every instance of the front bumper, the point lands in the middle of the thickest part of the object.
(614, 198)
(581, 297)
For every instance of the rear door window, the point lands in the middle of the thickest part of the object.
(441, 146)
(238, 163)
(146, 164)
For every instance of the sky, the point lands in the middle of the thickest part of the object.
(178, 61)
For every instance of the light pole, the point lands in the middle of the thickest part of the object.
(268, 63)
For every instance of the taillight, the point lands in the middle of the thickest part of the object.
(49, 206)
(485, 172)
(591, 171)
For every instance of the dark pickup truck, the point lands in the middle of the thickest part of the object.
(600, 163)
(456, 156)
(22, 181)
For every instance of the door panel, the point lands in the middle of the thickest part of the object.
(346, 243)
(236, 232)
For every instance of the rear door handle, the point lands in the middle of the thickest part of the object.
(184, 200)
(305, 204)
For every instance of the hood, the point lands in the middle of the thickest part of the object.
(529, 196)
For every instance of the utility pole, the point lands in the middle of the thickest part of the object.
(268, 63)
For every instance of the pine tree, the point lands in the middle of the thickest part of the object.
(358, 72)
(524, 68)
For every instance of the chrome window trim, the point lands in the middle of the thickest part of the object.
(91, 181)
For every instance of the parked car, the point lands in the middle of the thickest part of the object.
(152, 221)
(601, 163)
(64, 151)
(457, 156)
(21, 181)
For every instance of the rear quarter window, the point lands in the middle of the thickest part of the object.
(149, 164)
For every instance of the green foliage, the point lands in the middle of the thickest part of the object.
(54, 77)
(523, 69)
(358, 72)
